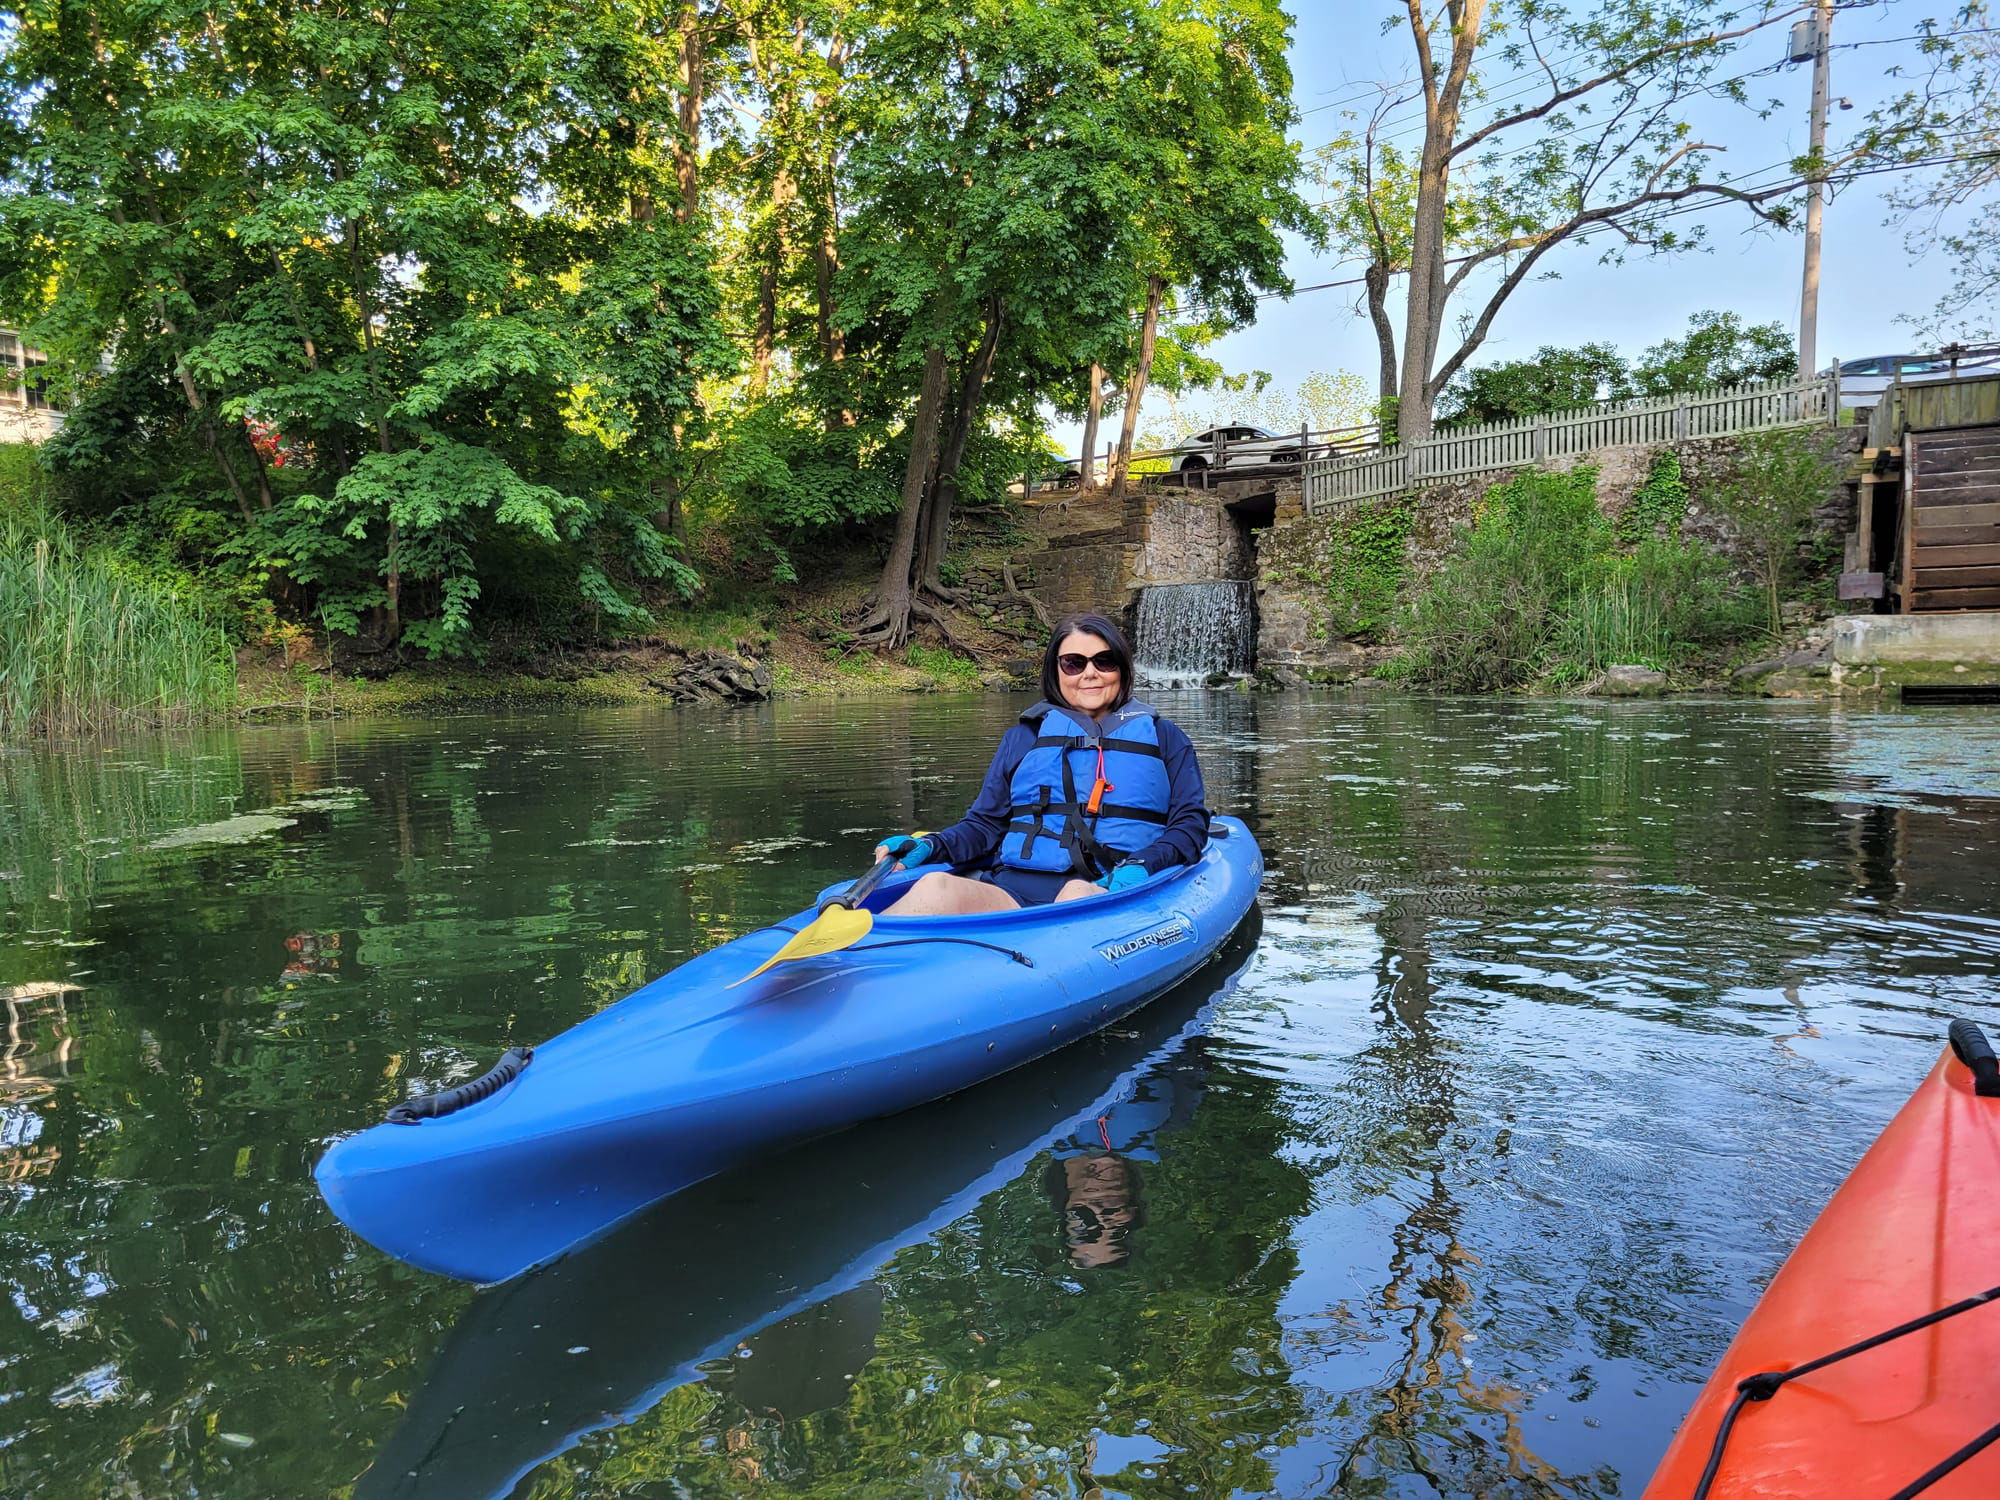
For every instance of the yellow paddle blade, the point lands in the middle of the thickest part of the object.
(833, 929)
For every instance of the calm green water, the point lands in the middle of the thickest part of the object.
(1559, 1023)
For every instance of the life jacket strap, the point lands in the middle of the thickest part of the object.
(1108, 810)
(1039, 829)
(1078, 742)
(1086, 853)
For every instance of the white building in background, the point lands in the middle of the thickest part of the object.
(25, 413)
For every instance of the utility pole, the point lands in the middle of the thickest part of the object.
(1822, 27)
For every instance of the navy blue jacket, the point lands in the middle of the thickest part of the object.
(975, 838)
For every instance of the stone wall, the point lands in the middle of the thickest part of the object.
(1092, 554)
(1292, 630)
(1083, 557)
(1187, 536)
(1291, 626)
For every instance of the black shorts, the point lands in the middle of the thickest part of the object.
(1027, 887)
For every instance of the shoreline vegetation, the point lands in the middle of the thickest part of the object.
(88, 646)
(564, 369)
(1544, 589)
(1541, 592)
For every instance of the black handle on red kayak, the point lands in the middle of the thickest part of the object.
(860, 891)
(1970, 1043)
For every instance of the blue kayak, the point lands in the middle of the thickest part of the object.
(777, 1258)
(688, 1077)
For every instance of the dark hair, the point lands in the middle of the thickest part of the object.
(1106, 631)
(1080, 1225)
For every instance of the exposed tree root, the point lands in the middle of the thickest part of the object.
(887, 624)
(940, 618)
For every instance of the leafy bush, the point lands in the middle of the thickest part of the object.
(1660, 504)
(1489, 613)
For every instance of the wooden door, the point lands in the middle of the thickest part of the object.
(1951, 551)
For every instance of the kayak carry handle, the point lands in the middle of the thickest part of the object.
(449, 1101)
(1970, 1043)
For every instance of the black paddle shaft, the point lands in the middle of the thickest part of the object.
(860, 891)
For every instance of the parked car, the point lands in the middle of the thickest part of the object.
(1238, 447)
(1862, 380)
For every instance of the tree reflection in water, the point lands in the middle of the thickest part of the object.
(1566, 1020)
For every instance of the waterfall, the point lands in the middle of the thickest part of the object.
(1189, 630)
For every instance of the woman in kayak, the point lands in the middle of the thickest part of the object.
(1090, 792)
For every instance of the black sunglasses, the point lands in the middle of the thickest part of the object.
(1073, 662)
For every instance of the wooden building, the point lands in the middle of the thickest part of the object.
(1927, 534)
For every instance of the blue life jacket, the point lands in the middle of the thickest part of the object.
(1050, 825)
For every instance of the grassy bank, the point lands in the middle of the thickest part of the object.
(1543, 587)
(86, 645)
(109, 623)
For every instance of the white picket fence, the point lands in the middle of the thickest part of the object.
(1522, 442)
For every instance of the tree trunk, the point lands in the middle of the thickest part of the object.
(944, 494)
(1136, 388)
(687, 141)
(1377, 280)
(888, 623)
(1093, 413)
(1443, 91)
(392, 616)
(1424, 320)
(764, 336)
(826, 255)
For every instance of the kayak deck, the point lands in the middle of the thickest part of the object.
(1914, 1229)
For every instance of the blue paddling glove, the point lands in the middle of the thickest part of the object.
(1126, 876)
(910, 852)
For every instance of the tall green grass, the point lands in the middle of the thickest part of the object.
(1484, 620)
(1541, 587)
(1655, 608)
(86, 648)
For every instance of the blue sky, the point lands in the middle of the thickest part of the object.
(1339, 49)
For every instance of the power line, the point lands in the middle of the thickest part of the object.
(1417, 125)
(1672, 211)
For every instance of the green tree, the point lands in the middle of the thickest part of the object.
(1554, 380)
(1026, 181)
(1324, 401)
(1544, 123)
(1951, 207)
(1717, 350)
(391, 287)
(1220, 183)
(1781, 478)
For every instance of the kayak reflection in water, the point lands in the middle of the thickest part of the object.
(1091, 792)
